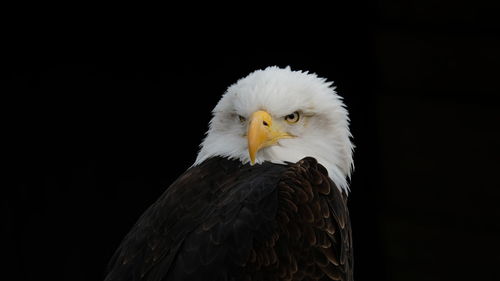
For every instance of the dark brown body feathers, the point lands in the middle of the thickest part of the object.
(225, 221)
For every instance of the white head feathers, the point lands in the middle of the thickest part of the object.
(322, 131)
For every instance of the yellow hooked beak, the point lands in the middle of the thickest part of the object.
(262, 133)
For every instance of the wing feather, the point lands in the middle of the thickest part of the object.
(224, 221)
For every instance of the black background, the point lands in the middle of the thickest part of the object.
(99, 121)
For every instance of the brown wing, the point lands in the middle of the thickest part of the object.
(313, 238)
(225, 221)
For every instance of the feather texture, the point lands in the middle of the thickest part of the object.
(222, 220)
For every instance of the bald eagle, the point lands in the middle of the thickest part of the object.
(266, 198)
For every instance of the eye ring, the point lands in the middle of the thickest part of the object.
(293, 117)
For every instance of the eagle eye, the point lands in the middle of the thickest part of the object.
(293, 117)
(241, 118)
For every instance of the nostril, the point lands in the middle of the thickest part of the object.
(265, 123)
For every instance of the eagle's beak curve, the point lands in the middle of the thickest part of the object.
(262, 133)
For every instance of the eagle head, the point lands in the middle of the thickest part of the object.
(280, 115)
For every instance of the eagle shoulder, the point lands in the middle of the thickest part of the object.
(314, 224)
